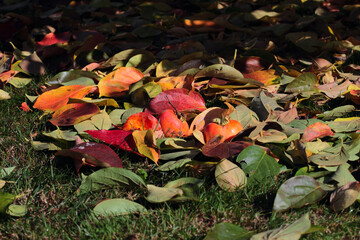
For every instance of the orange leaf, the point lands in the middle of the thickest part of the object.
(118, 81)
(6, 76)
(145, 144)
(199, 23)
(355, 96)
(74, 113)
(141, 121)
(316, 130)
(267, 77)
(55, 99)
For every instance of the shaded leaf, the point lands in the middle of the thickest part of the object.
(93, 154)
(228, 231)
(5, 200)
(302, 84)
(33, 65)
(297, 192)
(344, 196)
(117, 206)
(171, 165)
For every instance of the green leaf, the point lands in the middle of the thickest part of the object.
(259, 166)
(228, 231)
(333, 156)
(171, 165)
(66, 135)
(353, 148)
(263, 105)
(4, 95)
(345, 126)
(297, 192)
(115, 116)
(162, 194)
(141, 61)
(226, 72)
(5, 200)
(125, 55)
(245, 116)
(182, 153)
(68, 76)
(17, 210)
(4, 172)
(336, 112)
(290, 232)
(110, 177)
(20, 82)
(229, 176)
(342, 175)
(303, 84)
(182, 181)
(39, 146)
(308, 41)
(117, 206)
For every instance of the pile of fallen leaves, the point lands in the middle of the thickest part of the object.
(240, 90)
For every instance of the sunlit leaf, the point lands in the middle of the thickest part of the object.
(55, 38)
(145, 143)
(55, 99)
(293, 231)
(109, 178)
(316, 130)
(259, 166)
(180, 99)
(229, 176)
(73, 113)
(118, 81)
(297, 192)
(117, 206)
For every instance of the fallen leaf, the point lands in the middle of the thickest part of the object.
(54, 99)
(73, 113)
(316, 130)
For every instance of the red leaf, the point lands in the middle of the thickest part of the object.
(117, 138)
(74, 113)
(55, 38)
(214, 148)
(316, 130)
(181, 99)
(92, 154)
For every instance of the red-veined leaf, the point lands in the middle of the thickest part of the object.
(316, 130)
(181, 99)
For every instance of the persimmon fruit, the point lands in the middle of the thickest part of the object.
(172, 126)
(227, 130)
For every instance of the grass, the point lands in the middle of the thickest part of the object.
(56, 212)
